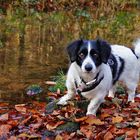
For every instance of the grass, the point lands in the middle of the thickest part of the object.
(60, 80)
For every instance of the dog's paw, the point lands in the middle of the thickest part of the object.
(90, 113)
(111, 94)
(131, 98)
(62, 102)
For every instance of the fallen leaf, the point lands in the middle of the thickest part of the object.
(120, 131)
(53, 125)
(33, 136)
(13, 123)
(105, 115)
(13, 138)
(132, 133)
(108, 111)
(35, 126)
(139, 132)
(87, 130)
(21, 108)
(51, 94)
(92, 120)
(3, 105)
(117, 119)
(80, 119)
(4, 129)
(25, 121)
(58, 137)
(108, 136)
(100, 135)
(137, 98)
(4, 117)
(112, 128)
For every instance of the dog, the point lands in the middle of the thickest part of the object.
(95, 68)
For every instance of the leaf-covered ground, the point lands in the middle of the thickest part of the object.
(116, 120)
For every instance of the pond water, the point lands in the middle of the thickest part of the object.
(32, 49)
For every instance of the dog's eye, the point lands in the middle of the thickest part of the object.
(81, 55)
(95, 55)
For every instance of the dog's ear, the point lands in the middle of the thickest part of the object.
(73, 48)
(104, 49)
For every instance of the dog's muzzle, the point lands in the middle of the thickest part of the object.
(88, 67)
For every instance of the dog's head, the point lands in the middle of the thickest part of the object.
(89, 54)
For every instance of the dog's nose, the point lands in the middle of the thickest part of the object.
(88, 67)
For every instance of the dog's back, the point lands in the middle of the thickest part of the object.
(131, 70)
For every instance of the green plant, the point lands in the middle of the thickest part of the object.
(120, 89)
(60, 82)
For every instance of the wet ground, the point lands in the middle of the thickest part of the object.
(32, 49)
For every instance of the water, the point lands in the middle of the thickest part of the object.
(33, 49)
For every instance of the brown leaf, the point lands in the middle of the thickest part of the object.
(53, 125)
(92, 120)
(105, 115)
(100, 135)
(108, 136)
(4, 117)
(3, 104)
(4, 129)
(13, 123)
(21, 108)
(52, 94)
(58, 137)
(4, 107)
(27, 136)
(35, 126)
(13, 138)
(25, 121)
(87, 130)
(120, 131)
(108, 111)
(139, 131)
(80, 119)
(132, 133)
(112, 129)
(117, 119)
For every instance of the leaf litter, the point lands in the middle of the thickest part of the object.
(116, 120)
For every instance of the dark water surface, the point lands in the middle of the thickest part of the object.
(32, 49)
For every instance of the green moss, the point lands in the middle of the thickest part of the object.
(69, 127)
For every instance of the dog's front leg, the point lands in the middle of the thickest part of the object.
(112, 92)
(63, 100)
(94, 105)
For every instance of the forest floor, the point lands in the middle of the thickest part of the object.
(116, 120)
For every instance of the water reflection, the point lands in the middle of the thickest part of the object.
(34, 49)
(28, 57)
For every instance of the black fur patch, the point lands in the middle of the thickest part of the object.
(116, 72)
(134, 53)
(113, 64)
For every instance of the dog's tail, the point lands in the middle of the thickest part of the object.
(136, 45)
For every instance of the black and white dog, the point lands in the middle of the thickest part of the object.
(95, 68)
